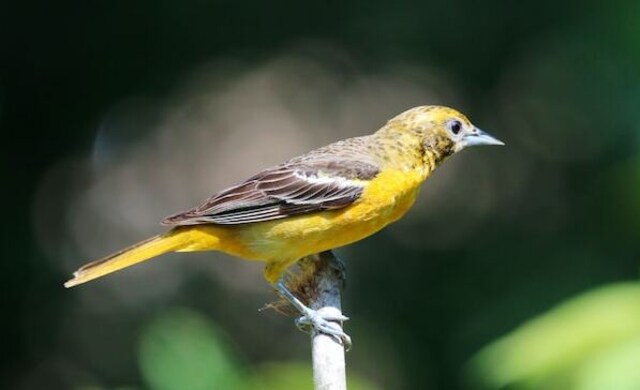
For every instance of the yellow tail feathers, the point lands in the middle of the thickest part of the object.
(171, 241)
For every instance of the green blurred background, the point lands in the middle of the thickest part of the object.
(517, 268)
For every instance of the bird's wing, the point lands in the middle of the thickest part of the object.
(296, 187)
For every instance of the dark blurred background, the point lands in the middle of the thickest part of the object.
(517, 267)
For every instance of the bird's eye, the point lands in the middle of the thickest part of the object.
(455, 127)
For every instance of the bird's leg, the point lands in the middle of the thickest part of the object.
(328, 278)
(312, 318)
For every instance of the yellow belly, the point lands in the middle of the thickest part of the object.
(387, 198)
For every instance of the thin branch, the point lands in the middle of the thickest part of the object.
(327, 352)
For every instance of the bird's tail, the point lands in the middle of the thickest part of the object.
(177, 239)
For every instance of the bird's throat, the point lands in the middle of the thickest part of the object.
(431, 159)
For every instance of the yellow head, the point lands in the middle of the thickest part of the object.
(441, 130)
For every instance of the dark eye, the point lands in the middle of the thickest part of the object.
(455, 127)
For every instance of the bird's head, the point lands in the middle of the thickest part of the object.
(442, 130)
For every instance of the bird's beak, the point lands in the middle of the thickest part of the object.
(478, 137)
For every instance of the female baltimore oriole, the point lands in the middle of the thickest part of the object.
(324, 199)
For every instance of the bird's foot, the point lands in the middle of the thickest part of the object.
(314, 321)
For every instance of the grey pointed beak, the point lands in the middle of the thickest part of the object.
(479, 137)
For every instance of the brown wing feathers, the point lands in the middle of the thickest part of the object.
(293, 188)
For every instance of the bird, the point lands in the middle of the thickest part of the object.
(325, 199)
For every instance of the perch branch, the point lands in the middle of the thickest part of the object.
(328, 353)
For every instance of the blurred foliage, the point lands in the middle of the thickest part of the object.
(181, 349)
(97, 99)
(591, 341)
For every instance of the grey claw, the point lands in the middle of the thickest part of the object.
(323, 324)
(307, 319)
(312, 320)
(303, 324)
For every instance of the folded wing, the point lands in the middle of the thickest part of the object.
(297, 187)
